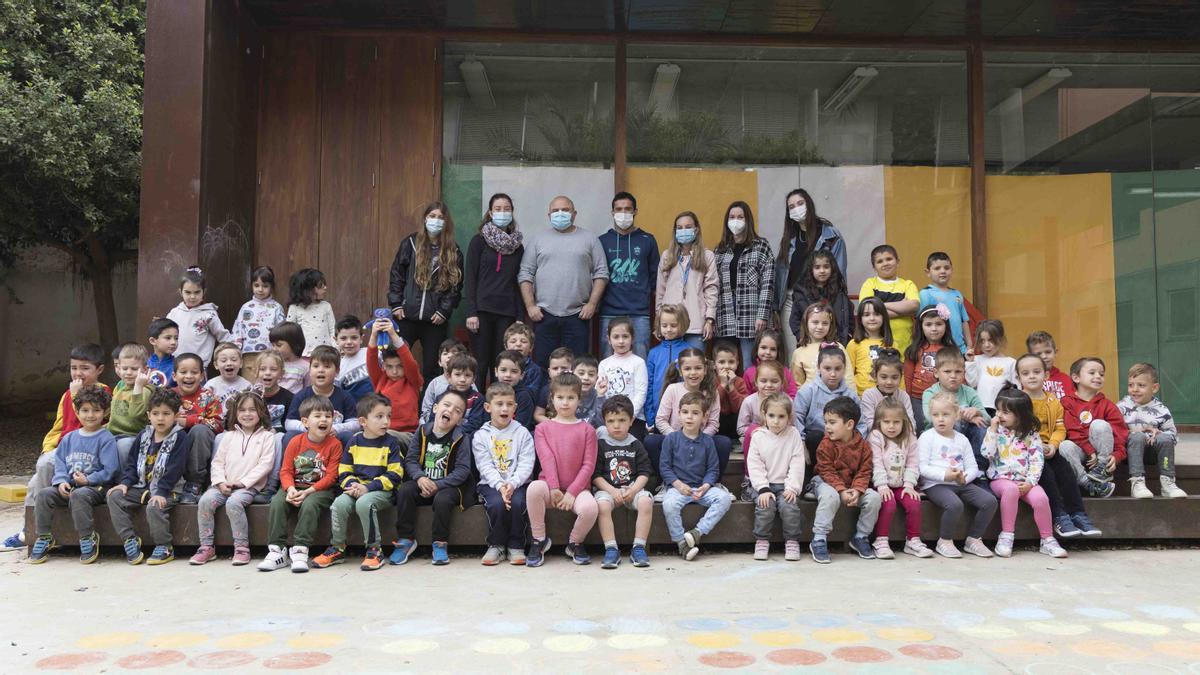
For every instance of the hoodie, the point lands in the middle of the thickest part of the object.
(893, 464)
(252, 327)
(810, 404)
(776, 458)
(477, 415)
(1078, 415)
(446, 460)
(200, 329)
(93, 454)
(1153, 415)
(246, 459)
(658, 361)
(632, 265)
(845, 465)
(503, 455)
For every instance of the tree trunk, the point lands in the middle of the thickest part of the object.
(100, 272)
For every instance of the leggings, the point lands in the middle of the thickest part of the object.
(235, 509)
(950, 497)
(537, 497)
(1058, 480)
(1009, 494)
(430, 337)
(487, 343)
(912, 515)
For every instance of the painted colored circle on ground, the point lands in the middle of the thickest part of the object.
(503, 627)
(839, 636)
(702, 624)
(159, 658)
(714, 640)
(576, 626)
(761, 622)
(176, 640)
(1193, 627)
(1137, 627)
(988, 631)
(1022, 648)
(821, 621)
(778, 638)
(1101, 613)
(1058, 628)
(635, 641)
(882, 619)
(222, 659)
(861, 654)
(409, 646)
(795, 657)
(1026, 614)
(905, 634)
(569, 644)
(108, 640)
(501, 646)
(316, 640)
(70, 661)
(1179, 648)
(297, 661)
(645, 662)
(1106, 650)
(727, 659)
(245, 640)
(1167, 612)
(931, 652)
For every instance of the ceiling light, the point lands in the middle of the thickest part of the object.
(476, 80)
(848, 90)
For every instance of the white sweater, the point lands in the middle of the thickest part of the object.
(988, 374)
(626, 376)
(937, 454)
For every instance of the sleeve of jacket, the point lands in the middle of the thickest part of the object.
(878, 473)
(825, 466)
(61, 474)
(756, 466)
(766, 279)
(925, 466)
(485, 464)
(450, 299)
(109, 462)
(711, 462)
(660, 287)
(524, 414)
(218, 329)
(712, 287)
(662, 418)
(862, 476)
(471, 275)
(175, 466)
(801, 403)
(266, 459)
(1037, 460)
(843, 309)
(1119, 430)
(525, 456)
(395, 469)
(237, 334)
(912, 472)
(714, 417)
(412, 458)
(839, 252)
(50, 441)
(216, 470)
(970, 466)
(972, 372)
(128, 471)
(1166, 425)
(795, 477)
(398, 277)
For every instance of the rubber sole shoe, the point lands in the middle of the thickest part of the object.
(89, 549)
(862, 547)
(762, 549)
(332, 556)
(133, 551)
(516, 556)
(203, 555)
(161, 555)
(692, 537)
(688, 552)
(612, 559)
(819, 550)
(493, 556)
(41, 550)
(1066, 529)
(373, 560)
(638, 556)
(1085, 525)
(537, 553)
(883, 549)
(441, 556)
(403, 551)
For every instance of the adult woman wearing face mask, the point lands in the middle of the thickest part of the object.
(425, 284)
(687, 275)
(491, 294)
(803, 232)
(745, 264)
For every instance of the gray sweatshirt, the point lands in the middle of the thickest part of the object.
(562, 266)
(503, 455)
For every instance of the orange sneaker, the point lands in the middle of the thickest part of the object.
(332, 556)
(373, 560)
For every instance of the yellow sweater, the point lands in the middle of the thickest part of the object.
(862, 355)
(804, 364)
(1050, 413)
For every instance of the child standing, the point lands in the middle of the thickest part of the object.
(842, 477)
(1151, 432)
(625, 373)
(288, 340)
(566, 449)
(817, 329)
(227, 360)
(766, 348)
(899, 296)
(872, 332)
(823, 283)
(158, 461)
(164, 340)
(1014, 448)
(240, 468)
(623, 470)
(690, 467)
(895, 475)
(691, 374)
(1058, 384)
(519, 337)
(948, 474)
(889, 379)
(200, 329)
(972, 417)
(938, 292)
(1096, 431)
(731, 388)
(199, 415)
(131, 397)
(504, 457)
(276, 398)
(989, 370)
(399, 379)
(775, 462)
(920, 362)
(448, 349)
(353, 375)
(671, 326)
(308, 308)
(306, 481)
(812, 398)
(256, 318)
(85, 463)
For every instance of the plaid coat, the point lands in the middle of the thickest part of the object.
(737, 312)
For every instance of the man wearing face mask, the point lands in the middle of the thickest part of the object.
(563, 275)
(632, 255)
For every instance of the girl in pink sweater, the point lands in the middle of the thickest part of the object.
(776, 465)
(566, 448)
(894, 456)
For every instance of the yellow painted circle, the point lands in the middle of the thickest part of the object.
(1058, 628)
(778, 638)
(245, 640)
(569, 644)
(176, 640)
(839, 636)
(905, 634)
(501, 646)
(108, 640)
(988, 631)
(635, 641)
(409, 646)
(1194, 627)
(714, 640)
(1137, 627)
(316, 641)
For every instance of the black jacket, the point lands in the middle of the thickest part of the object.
(419, 304)
(491, 280)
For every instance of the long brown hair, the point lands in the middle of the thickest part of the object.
(727, 239)
(671, 257)
(812, 227)
(487, 215)
(260, 407)
(449, 271)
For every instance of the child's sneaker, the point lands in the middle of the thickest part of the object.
(190, 494)
(1063, 527)
(687, 551)
(332, 556)
(373, 560)
(299, 556)
(241, 555)
(637, 556)
(612, 558)
(161, 555)
(89, 549)
(1085, 524)
(14, 542)
(441, 556)
(1051, 547)
(976, 547)
(1004, 545)
(133, 551)
(516, 556)
(883, 549)
(402, 552)
(1169, 489)
(578, 554)
(791, 550)
(859, 545)
(1098, 490)
(762, 549)
(1097, 474)
(692, 537)
(537, 552)
(203, 555)
(819, 548)
(41, 549)
(493, 556)
(946, 549)
(277, 559)
(748, 494)
(1138, 489)
(916, 547)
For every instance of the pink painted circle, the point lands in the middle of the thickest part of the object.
(70, 661)
(156, 659)
(861, 654)
(795, 657)
(297, 660)
(931, 652)
(230, 658)
(727, 659)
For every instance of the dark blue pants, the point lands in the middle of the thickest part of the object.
(553, 332)
(507, 527)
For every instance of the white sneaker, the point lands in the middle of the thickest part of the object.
(1004, 545)
(1138, 489)
(976, 547)
(299, 559)
(883, 550)
(277, 559)
(1051, 547)
(762, 549)
(1169, 489)
(946, 549)
(916, 547)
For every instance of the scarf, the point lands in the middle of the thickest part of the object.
(505, 243)
(160, 462)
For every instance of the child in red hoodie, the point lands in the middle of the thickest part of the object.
(1096, 430)
(399, 379)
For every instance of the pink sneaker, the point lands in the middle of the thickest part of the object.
(241, 555)
(203, 555)
(762, 549)
(791, 550)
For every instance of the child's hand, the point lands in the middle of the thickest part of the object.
(617, 495)
(76, 385)
(626, 495)
(1049, 451)
(847, 497)
(225, 489)
(1090, 461)
(995, 423)
(885, 492)
(602, 386)
(428, 487)
(682, 488)
(158, 502)
(64, 490)
(765, 500)
(398, 313)
(556, 497)
(79, 478)
(1024, 488)
(790, 496)
(437, 319)
(119, 488)
(962, 477)
(1151, 433)
(699, 492)
(377, 326)
(953, 475)
(1111, 464)
(356, 490)
(567, 502)
(142, 379)
(181, 419)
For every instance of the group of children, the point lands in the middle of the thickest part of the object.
(299, 415)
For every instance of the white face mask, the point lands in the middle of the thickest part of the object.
(797, 213)
(624, 221)
(736, 226)
(434, 225)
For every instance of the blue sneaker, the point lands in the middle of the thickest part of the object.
(820, 551)
(612, 558)
(537, 552)
(401, 553)
(41, 549)
(1085, 524)
(161, 555)
(638, 556)
(440, 555)
(1064, 528)
(14, 542)
(578, 554)
(862, 547)
(133, 551)
(89, 549)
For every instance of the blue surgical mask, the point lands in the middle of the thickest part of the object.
(434, 226)
(686, 235)
(501, 218)
(561, 220)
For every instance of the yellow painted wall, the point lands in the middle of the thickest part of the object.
(928, 209)
(664, 192)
